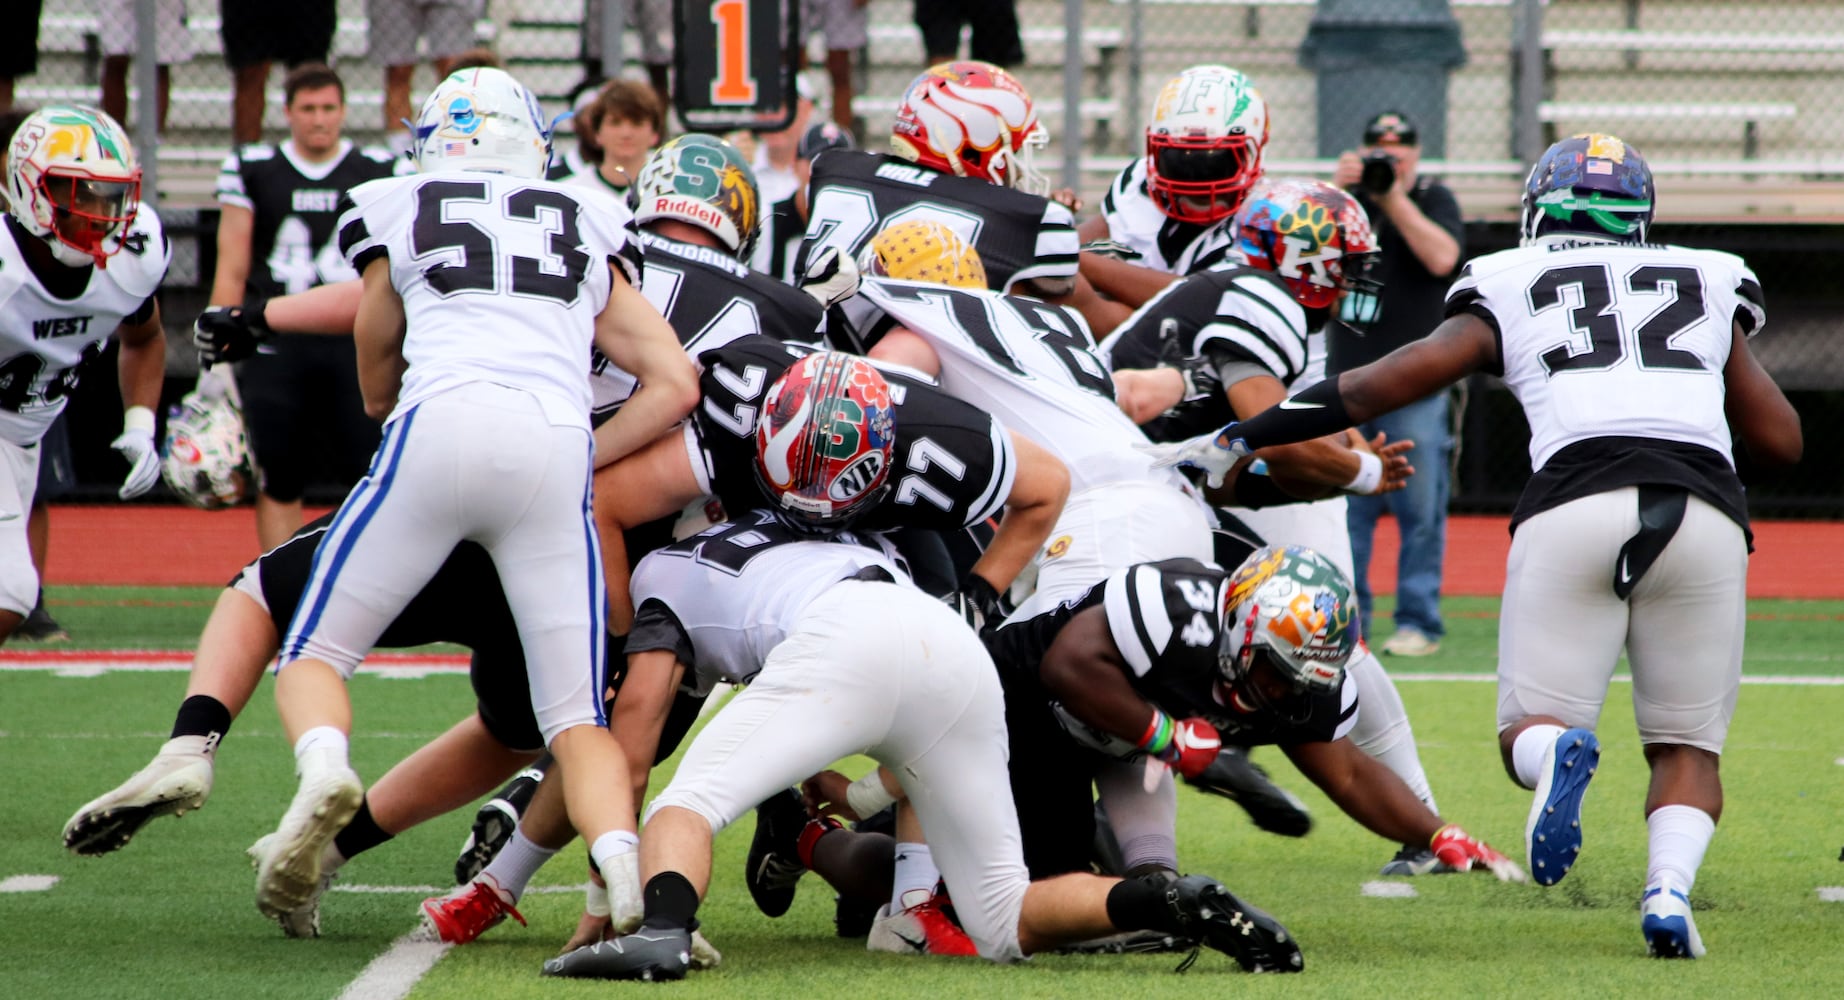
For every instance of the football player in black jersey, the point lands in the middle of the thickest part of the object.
(278, 205)
(937, 169)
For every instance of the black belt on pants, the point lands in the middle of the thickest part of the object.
(1661, 511)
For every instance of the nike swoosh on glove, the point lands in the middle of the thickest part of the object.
(1215, 454)
(831, 277)
(136, 445)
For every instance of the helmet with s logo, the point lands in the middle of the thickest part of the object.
(824, 441)
(703, 181)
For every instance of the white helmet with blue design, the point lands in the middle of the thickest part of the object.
(482, 120)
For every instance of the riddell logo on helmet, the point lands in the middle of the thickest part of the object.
(689, 207)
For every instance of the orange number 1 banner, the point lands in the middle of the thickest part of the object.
(735, 62)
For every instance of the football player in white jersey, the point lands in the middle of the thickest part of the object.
(81, 259)
(844, 654)
(1631, 362)
(484, 289)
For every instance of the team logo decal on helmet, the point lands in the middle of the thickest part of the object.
(482, 120)
(927, 251)
(1291, 607)
(73, 181)
(1313, 236)
(824, 441)
(705, 181)
(971, 119)
(1204, 144)
(1589, 185)
(207, 461)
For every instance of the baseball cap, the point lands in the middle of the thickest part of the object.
(822, 136)
(1390, 126)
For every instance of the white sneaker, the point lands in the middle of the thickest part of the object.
(302, 921)
(1411, 642)
(288, 873)
(1670, 930)
(176, 780)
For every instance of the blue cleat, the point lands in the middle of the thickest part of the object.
(1670, 930)
(1552, 835)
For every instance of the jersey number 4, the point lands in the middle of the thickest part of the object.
(558, 276)
(1595, 316)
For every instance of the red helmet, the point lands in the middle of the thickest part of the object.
(971, 119)
(1313, 236)
(824, 440)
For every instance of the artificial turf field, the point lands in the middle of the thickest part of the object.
(172, 915)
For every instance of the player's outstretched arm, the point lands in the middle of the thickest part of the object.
(1759, 411)
(641, 708)
(377, 334)
(638, 340)
(1316, 468)
(141, 368)
(1031, 509)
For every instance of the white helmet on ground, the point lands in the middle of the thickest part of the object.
(72, 180)
(207, 461)
(483, 120)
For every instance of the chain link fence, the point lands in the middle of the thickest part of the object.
(1739, 106)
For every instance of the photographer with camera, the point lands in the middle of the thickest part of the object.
(1421, 240)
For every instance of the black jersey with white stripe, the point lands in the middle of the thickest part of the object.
(952, 465)
(1019, 236)
(1232, 313)
(295, 206)
(1165, 619)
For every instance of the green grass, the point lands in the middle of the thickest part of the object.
(172, 914)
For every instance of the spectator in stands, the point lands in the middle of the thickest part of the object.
(256, 36)
(844, 23)
(653, 20)
(784, 219)
(447, 26)
(629, 123)
(573, 147)
(18, 51)
(994, 23)
(1421, 239)
(276, 235)
(116, 28)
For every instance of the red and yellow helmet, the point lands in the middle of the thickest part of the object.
(971, 119)
(824, 441)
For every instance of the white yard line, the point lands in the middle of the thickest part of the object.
(392, 975)
(1388, 890)
(28, 883)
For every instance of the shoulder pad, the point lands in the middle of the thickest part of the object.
(142, 262)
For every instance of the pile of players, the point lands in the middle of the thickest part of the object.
(908, 497)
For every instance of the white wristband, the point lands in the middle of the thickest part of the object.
(1369, 474)
(138, 418)
(867, 796)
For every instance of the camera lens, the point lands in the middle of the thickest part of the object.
(1379, 173)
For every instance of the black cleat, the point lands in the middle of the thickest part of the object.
(1237, 778)
(1414, 859)
(773, 866)
(39, 626)
(1210, 913)
(649, 953)
(494, 823)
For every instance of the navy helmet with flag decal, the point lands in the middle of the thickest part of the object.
(1590, 185)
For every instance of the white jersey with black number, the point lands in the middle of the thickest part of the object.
(1030, 364)
(45, 339)
(1019, 236)
(501, 280)
(1604, 340)
(738, 589)
(1164, 244)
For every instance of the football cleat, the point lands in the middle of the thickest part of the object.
(773, 866)
(649, 953)
(921, 927)
(494, 823)
(1414, 860)
(176, 780)
(470, 911)
(1552, 834)
(1205, 910)
(303, 921)
(1235, 777)
(1670, 930)
(39, 626)
(288, 873)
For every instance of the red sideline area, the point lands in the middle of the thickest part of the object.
(145, 545)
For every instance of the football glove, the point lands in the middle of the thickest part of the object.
(136, 445)
(1113, 249)
(978, 603)
(1194, 747)
(1215, 453)
(831, 277)
(1458, 850)
(229, 333)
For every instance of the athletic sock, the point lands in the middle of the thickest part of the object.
(517, 862)
(609, 846)
(1138, 904)
(670, 902)
(1528, 749)
(321, 747)
(1676, 837)
(915, 869)
(202, 715)
(360, 835)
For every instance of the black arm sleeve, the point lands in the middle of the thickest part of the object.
(1316, 412)
(1257, 491)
